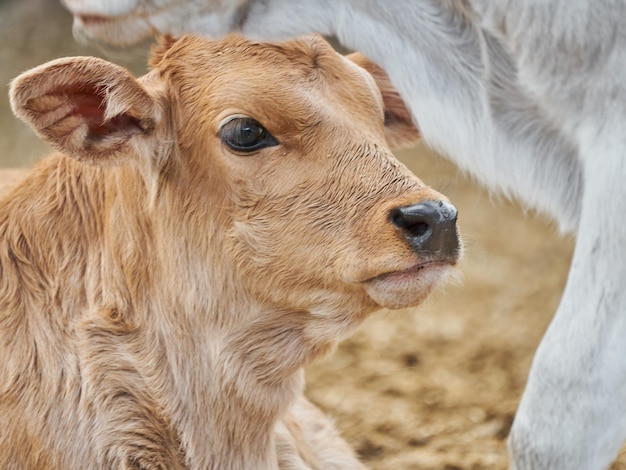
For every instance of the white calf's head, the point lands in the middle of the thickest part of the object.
(127, 22)
(274, 160)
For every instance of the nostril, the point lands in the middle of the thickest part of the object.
(416, 225)
(419, 229)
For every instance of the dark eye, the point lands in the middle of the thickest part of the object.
(245, 134)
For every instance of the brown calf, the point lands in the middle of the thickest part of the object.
(206, 231)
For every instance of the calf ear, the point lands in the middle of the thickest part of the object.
(85, 107)
(399, 127)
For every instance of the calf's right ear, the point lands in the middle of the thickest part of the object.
(85, 107)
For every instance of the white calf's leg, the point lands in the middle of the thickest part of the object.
(572, 412)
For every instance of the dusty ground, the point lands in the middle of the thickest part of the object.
(429, 388)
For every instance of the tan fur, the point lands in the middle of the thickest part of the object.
(160, 293)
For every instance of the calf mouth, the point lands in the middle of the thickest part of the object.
(114, 32)
(398, 275)
(408, 287)
(94, 20)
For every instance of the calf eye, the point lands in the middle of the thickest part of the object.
(244, 134)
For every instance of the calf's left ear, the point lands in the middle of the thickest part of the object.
(400, 130)
(85, 107)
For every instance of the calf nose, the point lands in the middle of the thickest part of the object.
(430, 229)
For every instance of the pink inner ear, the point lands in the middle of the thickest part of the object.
(89, 102)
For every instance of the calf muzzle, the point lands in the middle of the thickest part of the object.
(430, 229)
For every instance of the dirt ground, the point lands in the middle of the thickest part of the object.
(435, 387)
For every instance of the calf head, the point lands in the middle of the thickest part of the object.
(273, 161)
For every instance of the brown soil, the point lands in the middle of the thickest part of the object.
(434, 387)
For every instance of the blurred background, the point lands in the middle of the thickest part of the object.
(434, 387)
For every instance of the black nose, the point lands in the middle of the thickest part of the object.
(430, 229)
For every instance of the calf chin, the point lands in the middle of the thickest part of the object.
(407, 288)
